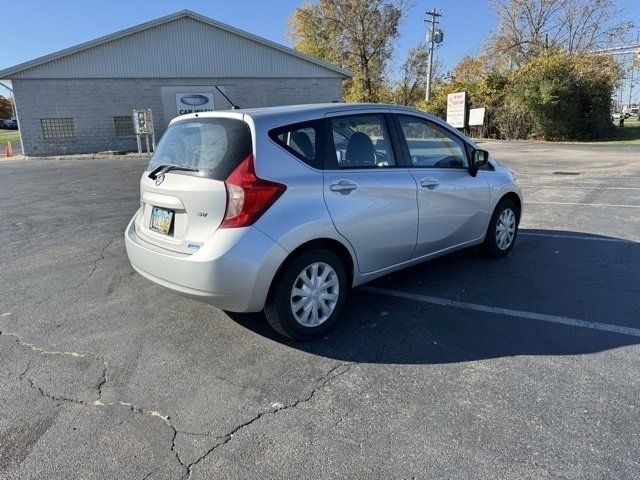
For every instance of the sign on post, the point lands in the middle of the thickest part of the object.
(457, 109)
(143, 126)
(143, 121)
(476, 116)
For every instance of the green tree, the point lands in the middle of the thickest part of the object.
(554, 95)
(410, 90)
(567, 97)
(358, 35)
(475, 75)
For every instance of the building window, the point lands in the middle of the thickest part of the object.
(57, 127)
(124, 126)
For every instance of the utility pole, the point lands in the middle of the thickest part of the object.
(631, 86)
(433, 37)
(633, 66)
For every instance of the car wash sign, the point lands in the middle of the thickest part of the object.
(457, 109)
(194, 102)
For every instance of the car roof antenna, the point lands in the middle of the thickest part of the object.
(233, 105)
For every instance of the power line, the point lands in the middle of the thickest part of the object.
(620, 50)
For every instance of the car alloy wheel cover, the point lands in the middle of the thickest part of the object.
(314, 295)
(505, 229)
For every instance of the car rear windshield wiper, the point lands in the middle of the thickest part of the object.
(167, 168)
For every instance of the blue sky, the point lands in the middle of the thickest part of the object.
(32, 28)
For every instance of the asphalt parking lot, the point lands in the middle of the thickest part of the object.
(464, 367)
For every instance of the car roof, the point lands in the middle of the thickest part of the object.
(314, 110)
(270, 117)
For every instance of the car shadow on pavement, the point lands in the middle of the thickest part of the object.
(556, 273)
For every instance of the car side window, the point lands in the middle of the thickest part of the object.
(362, 141)
(431, 145)
(301, 140)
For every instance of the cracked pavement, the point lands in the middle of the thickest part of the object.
(82, 384)
(105, 375)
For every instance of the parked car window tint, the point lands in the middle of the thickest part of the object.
(302, 140)
(432, 146)
(362, 141)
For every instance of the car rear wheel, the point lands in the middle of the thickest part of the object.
(503, 229)
(308, 296)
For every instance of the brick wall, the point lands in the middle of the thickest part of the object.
(93, 103)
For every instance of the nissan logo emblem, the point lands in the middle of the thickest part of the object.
(194, 99)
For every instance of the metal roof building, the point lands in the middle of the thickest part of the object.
(80, 100)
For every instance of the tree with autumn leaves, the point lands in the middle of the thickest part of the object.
(358, 35)
(554, 95)
(536, 74)
(6, 111)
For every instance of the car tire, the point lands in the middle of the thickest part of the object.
(503, 229)
(303, 317)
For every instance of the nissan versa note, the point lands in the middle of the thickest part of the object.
(284, 209)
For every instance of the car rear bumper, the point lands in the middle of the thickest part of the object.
(233, 270)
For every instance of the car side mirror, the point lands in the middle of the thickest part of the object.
(478, 159)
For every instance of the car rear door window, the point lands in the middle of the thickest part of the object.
(431, 145)
(362, 141)
(302, 140)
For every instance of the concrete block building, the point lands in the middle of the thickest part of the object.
(80, 100)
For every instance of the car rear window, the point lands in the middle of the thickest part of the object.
(214, 146)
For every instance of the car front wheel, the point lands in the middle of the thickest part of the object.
(503, 229)
(308, 296)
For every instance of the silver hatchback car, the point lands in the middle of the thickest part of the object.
(284, 209)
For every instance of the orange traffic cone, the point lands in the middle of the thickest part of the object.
(9, 152)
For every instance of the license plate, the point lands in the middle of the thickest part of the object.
(161, 220)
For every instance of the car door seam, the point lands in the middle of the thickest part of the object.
(415, 245)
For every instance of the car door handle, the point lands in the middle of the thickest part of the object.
(429, 182)
(343, 186)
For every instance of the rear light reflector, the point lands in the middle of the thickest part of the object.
(248, 196)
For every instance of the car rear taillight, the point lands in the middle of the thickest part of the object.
(248, 196)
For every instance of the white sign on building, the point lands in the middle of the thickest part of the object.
(476, 116)
(194, 103)
(457, 109)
